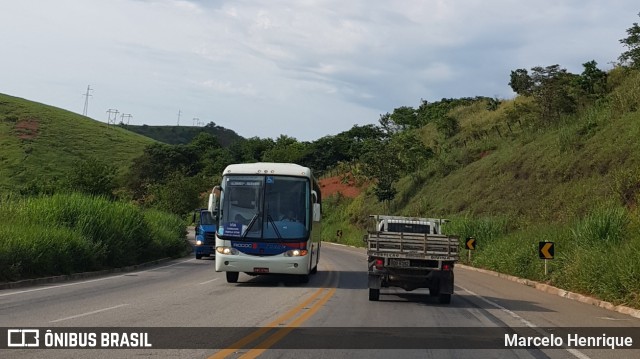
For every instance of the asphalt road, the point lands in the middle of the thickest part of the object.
(277, 312)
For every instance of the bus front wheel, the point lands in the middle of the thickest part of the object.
(232, 277)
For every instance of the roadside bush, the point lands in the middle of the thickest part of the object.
(605, 224)
(119, 227)
(39, 250)
(67, 233)
(484, 230)
(167, 233)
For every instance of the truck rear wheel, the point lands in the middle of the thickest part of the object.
(198, 256)
(444, 298)
(232, 277)
(374, 294)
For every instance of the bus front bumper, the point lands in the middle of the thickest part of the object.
(262, 265)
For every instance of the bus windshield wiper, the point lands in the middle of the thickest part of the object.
(270, 219)
(251, 223)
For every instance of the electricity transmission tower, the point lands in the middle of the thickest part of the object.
(127, 115)
(179, 112)
(115, 115)
(86, 100)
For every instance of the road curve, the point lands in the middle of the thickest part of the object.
(189, 293)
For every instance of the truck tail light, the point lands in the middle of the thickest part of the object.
(446, 267)
(379, 263)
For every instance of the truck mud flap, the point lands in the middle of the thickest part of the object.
(375, 281)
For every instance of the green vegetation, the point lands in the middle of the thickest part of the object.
(64, 234)
(559, 162)
(42, 145)
(181, 135)
(511, 177)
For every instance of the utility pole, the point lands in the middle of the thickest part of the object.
(86, 100)
(179, 112)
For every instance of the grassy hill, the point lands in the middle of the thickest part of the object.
(511, 184)
(176, 135)
(42, 143)
(529, 170)
(540, 172)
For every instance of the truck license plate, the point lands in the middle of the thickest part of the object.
(395, 262)
(261, 270)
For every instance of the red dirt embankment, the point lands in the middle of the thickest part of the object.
(27, 129)
(333, 185)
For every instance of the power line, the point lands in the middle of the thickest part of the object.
(86, 100)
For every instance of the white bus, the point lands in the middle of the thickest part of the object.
(268, 220)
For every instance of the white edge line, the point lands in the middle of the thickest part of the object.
(87, 281)
(576, 353)
(88, 313)
(209, 281)
(558, 291)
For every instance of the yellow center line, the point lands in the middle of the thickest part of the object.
(281, 333)
(280, 320)
(260, 332)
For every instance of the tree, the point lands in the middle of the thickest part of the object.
(448, 126)
(380, 163)
(631, 57)
(355, 138)
(204, 142)
(251, 149)
(411, 151)
(552, 91)
(388, 126)
(157, 162)
(521, 83)
(286, 150)
(93, 176)
(493, 104)
(179, 195)
(593, 81)
(325, 152)
(406, 117)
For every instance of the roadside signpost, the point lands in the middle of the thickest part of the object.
(546, 251)
(471, 246)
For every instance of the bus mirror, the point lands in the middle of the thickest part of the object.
(314, 196)
(316, 212)
(213, 199)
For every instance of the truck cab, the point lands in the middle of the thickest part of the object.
(415, 225)
(205, 227)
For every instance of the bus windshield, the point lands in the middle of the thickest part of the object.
(271, 208)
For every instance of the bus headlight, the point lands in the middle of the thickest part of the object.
(296, 253)
(198, 242)
(227, 250)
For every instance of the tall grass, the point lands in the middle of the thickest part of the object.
(67, 233)
(597, 255)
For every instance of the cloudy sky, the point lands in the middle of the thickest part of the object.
(306, 68)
